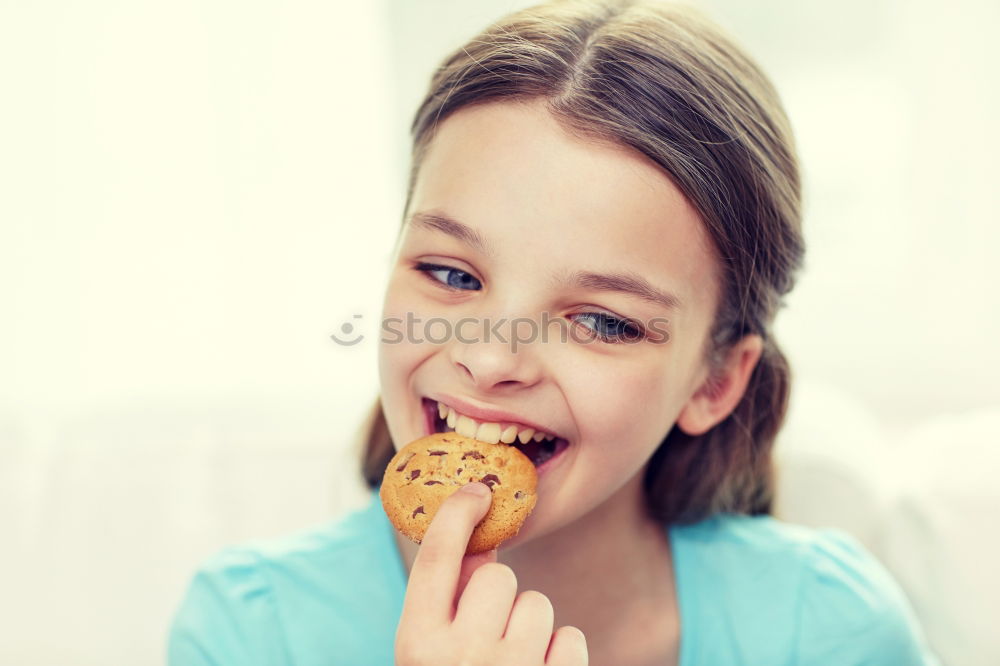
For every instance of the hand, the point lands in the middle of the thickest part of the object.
(462, 609)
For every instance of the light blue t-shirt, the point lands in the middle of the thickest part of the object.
(751, 591)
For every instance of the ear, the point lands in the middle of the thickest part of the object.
(722, 390)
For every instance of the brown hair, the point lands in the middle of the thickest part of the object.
(666, 82)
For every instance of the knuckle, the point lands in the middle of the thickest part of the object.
(417, 653)
(410, 657)
(430, 554)
(535, 602)
(570, 644)
(498, 572)
(571, 633)
(472, 659)
(407, 651)
(404, 637)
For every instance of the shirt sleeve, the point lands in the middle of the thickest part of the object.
(228, 616)
(853, 613)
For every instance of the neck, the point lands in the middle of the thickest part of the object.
(609, 573)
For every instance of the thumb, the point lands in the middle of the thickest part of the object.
(469, 565)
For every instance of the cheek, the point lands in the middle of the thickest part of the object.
(398, 357)
(400, 311)
(631, 407)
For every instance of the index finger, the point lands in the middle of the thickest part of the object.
(434, 575)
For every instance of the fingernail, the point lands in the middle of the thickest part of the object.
(475, 488)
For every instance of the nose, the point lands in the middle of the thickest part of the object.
(495, 361)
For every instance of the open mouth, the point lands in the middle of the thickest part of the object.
(538, 446)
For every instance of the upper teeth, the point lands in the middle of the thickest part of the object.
(488, 431)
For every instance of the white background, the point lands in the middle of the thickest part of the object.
(194, 195)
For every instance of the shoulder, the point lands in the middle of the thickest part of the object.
(281, 600)
(815, 594)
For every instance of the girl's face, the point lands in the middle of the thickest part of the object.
(532, 209)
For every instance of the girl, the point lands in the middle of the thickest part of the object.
(623, 172)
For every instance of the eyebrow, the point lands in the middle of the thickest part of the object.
(622, 282)
(627, 283)
(466, 234)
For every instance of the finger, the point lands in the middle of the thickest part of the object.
(567, 648)
(484, 607)
(430, 591)
(470, 563)
(530, 625)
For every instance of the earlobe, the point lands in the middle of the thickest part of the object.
(720, 392)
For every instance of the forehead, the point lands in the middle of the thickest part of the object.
(515, 174)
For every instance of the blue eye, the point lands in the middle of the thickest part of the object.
(452, 278)
(607, 328)
(611, 329)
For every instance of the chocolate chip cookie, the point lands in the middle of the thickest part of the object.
(426, 471)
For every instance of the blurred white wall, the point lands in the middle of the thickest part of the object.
(194, 195)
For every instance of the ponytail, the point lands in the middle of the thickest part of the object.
(729, 468)
(376, 446)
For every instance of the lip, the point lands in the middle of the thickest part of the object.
(488, 414)
(430, 418)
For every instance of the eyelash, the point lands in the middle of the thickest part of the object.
(428, 269)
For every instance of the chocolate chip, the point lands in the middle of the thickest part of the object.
(518, 495)
(432, 482)
(473, 454)
(404, 461)
(437, 453)
(419, 509)
(490, 479)
(414, 474)
(458, 471)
